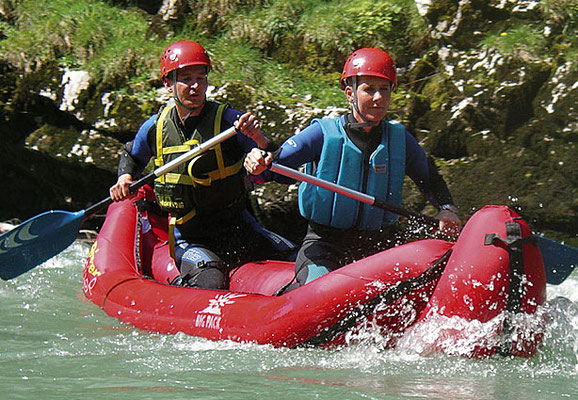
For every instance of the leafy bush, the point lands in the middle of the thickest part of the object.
(521, 40)
(214, 16)
(343, 26)
(86, 34)
(321, 34)
(564, 12)
(267, 28)
(284, 49)
(242, 63)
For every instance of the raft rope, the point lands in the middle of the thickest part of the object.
(514, 243)
(395, 292)
(138, 241)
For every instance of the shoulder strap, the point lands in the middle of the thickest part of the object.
(159, 138)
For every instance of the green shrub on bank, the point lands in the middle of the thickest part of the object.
(284, 49)
(563, 17)
(564, 13)
(321, 34)
(519, 41)
(270, 78)
(86, 34)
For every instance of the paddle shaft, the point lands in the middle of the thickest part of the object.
(168, 167)
(559, 259)
(44, 236)
(364, 198)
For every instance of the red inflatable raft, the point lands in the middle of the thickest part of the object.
(493, 272)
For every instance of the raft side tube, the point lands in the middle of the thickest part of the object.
(476, 282)
(111, 258)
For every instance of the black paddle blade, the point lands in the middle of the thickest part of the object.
(37, 240)
(559, 259)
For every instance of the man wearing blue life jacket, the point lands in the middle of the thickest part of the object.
(361, 151)
(211, 228)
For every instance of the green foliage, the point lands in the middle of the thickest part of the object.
(563, 15)
(517, 41)
(214, 16)
(284, 49)
(321, 34)
(357, 24)
(241, 63)
(267, 27)
(435, 91)
(85, 34)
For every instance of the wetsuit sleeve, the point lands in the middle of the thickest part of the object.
(423, 172)
(137, 153)
(299, 149)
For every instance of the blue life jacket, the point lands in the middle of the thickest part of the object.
(341, 162)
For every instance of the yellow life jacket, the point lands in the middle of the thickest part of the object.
(207, 183)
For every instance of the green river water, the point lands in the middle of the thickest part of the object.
(55, 344)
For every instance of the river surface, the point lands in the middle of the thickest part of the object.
(55, 344)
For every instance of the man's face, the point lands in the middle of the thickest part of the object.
(373, 96)
(191, 85)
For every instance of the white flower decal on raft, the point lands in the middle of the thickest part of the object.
(219, 301)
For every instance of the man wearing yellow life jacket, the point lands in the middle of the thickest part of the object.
(211, 228)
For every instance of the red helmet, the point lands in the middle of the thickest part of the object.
(369, 61)
(182, 54)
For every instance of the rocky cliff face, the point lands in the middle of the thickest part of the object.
(506, 118)
(499, 117)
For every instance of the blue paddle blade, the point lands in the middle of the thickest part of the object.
(559, 259)
(37, 240)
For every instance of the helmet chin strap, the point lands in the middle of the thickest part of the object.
(178, 101)
(366, 122)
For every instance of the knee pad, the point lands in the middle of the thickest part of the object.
(204, 274)
(310, 272)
